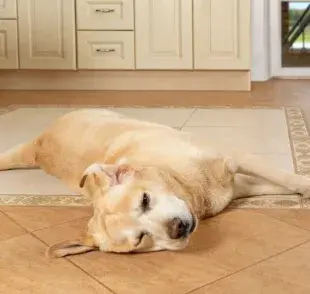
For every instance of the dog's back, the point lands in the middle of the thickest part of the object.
(83, 137)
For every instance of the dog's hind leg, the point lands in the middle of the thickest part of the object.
(254, 166)
(247, 186)
(21, 156)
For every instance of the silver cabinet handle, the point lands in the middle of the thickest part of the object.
(105, 50)
(108, 10)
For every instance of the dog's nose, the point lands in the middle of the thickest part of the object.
(178, 228)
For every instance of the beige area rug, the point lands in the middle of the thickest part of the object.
(277, 135)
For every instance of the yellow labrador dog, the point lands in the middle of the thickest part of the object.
(149, 184)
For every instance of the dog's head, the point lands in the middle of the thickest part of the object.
(137, 209)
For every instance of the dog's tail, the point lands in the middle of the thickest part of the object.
(21, 156)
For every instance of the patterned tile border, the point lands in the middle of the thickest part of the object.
(43, 200)
(300, 145)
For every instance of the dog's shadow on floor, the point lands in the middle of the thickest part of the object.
(208, 237)
(202, 243)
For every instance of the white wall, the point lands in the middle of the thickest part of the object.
(260, 40)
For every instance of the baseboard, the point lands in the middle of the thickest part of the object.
(126, 80)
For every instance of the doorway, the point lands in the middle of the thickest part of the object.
(290, 38)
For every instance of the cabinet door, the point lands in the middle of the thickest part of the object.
(8, 44)
(8, 9)
(47, 34)
(222, 34)
(163, 34)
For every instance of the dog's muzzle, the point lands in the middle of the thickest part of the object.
(179, 228)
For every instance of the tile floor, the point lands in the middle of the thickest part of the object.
(239, 252)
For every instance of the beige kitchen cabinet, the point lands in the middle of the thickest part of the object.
(105, 50)
(105, 14)
(8, 44)
(7, 9)
(47, 34)
(126, 44)
(222, 34)
(163, 31)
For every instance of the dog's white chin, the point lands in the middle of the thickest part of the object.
(170, 245)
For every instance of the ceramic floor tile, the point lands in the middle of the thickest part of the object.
(31, 182)
(221, 246)
(14, 130)
(59, 233)
(283, 161)
(248, 139)
(24, 269)
(36, 218)
(237, 117)
(9, 228)
(286, 273)
(174, 117)
(297, 217)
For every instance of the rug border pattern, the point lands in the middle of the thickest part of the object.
(300, 147)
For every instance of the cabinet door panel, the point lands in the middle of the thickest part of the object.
(163, 34)
(8, 9)
(8, 44)
(47, 34)
(222, 34)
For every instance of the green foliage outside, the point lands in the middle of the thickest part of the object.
(294, 15)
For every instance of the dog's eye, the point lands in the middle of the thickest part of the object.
(145, 202)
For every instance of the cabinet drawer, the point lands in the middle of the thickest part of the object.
(8, 9)
(106, 50)
(8, 44)
(105, 14)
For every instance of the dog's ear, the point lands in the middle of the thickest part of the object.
(106, 174)
(71, 247)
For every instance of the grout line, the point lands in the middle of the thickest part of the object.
(250, 266)
(75, 265)
(26, 232)
(91, 276)
(279, 219)
(190, 116)
(48, 227)
(70, 261)
(67, 222)
(15, 222)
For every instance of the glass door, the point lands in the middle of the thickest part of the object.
(295, 24)
(290, 38)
